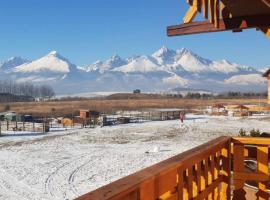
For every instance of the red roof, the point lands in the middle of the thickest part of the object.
(242, 107)
(219, 106)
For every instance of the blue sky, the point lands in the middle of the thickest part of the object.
(87, 30)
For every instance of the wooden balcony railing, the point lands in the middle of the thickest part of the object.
(257, 151)
(201, 173)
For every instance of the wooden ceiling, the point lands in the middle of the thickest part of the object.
(224, 15)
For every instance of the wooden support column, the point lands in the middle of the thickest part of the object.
(238, 166)
(262, 159)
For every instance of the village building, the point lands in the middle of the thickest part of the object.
(219, 109)
(88, 117)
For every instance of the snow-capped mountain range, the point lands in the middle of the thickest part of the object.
(165, 69)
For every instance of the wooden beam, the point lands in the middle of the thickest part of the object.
(229, 24)
(266, 31)
(191, 13)
(267, 2)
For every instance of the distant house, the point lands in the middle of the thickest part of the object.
(241, 111)
(137, 91)
(219, 109)
(88, 117)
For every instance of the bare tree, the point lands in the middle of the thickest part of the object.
(26, 89)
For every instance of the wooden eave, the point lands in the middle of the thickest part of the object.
(224, 15)
(266, 74)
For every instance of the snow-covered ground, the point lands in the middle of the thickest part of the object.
(65, 165)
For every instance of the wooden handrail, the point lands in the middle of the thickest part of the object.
(251, 141)
(194, 173)
(200, 173)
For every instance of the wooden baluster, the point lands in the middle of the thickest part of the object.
(218, 173)
(262, 159)
(180, 185)
(190, 183)
(226, 172)
(212, 174)
(203, 176)
(186, 194)
(207, 175)
(238, 166)
(199, 177)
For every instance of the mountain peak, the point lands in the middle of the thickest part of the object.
(116, 56)
(184, 51)
(13, 62)
(163, 52)
(53, 53)
(51, 63)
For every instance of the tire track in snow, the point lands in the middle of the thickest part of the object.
(48, 183)
(49, 186)
(72, 176)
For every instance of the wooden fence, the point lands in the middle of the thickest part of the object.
(23, 126)
(201, 173)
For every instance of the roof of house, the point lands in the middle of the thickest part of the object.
(224, 15)
(218, 106)
(241, 107)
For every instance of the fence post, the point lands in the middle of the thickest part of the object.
(43, 126)
(16, 124)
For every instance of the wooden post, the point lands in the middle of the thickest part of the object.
(238, 166)
(43, 125)
(226, 172)
(16, 124)
(262, 157)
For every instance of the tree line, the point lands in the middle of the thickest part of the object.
(26, 89)
(226, 95)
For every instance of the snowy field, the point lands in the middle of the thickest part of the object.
(67, 164)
